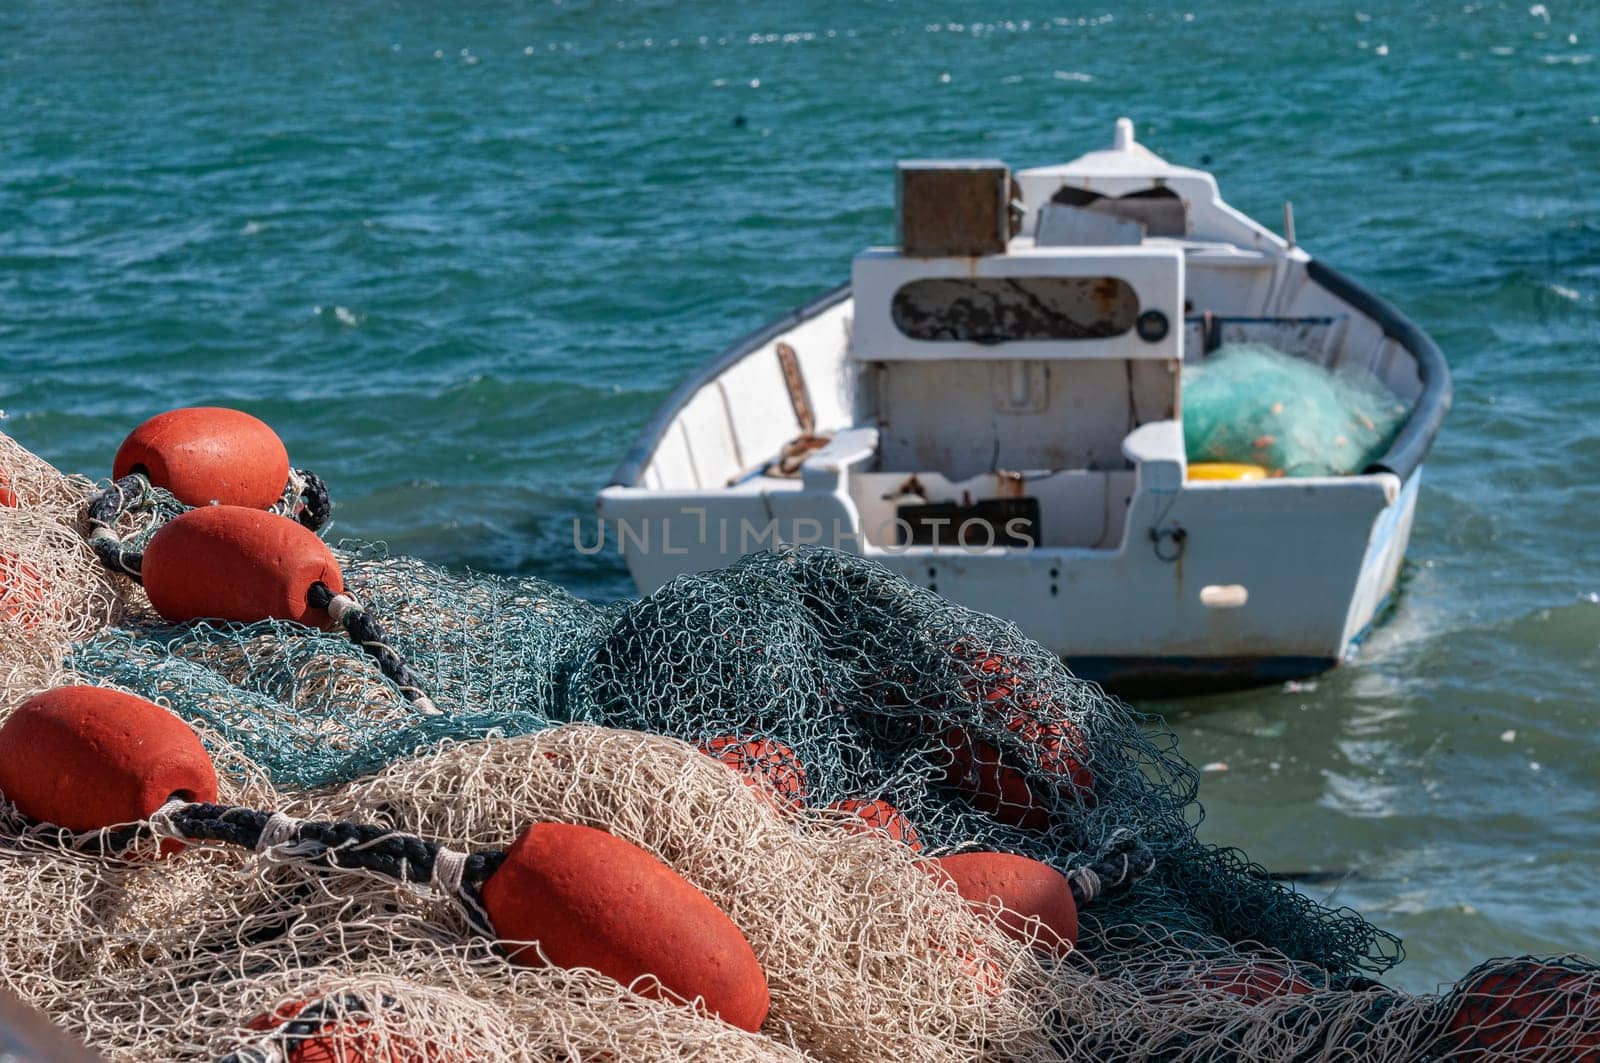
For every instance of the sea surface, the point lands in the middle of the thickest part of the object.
(457, 254)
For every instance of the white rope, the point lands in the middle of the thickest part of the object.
(340, 605)
(449, 877)
(449, 869)
(1088, 883)
(288, 503)
(161, 821)
(278, 830)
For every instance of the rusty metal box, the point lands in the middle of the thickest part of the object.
(953, 207)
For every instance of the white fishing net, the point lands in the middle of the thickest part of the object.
(557, 711)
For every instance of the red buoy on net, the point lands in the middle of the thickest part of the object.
(879, 815)
(994, 780)
(1060, 750)
(352, 1044)
(21, 590)
(764, 764)
(348, 1037)
(1256, 982)
(1028, 888)
(590, 899)
(975, 769)
(1525, 1009)
(206, 455)
(232, 563)
(84, 758)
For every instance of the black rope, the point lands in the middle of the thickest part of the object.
(1123, 861)
(305, 499)
(354, 846)
(104, 510)
(318, 505)
(365, 631)
(348, 846)
(383, 851)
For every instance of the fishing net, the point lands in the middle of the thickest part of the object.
(830, 681)
(1251, 403)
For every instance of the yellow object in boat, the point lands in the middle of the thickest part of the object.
(1225, 470)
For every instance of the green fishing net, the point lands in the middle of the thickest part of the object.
(1251, 403)
(881, 690)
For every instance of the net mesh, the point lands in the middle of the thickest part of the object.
(828, 680)
(1252, 403)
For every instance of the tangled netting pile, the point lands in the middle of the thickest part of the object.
(554, 709)
(1248, 402)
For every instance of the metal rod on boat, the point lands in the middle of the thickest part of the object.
(1288, 223)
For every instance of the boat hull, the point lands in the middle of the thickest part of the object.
(1316, 570)
(1275, 581)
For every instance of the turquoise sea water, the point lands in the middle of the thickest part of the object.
(458, 257)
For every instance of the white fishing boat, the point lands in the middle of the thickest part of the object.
(993, 408)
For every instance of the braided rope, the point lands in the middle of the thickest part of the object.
(305, 499)
(359, 847)
(102, 513)
(1122, 862)
(365, 631)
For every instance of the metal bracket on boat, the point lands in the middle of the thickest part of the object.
(1174, 533)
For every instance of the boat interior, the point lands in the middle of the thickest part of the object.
(999, 386)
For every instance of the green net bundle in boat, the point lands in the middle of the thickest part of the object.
(1257, 405)
(830, 686)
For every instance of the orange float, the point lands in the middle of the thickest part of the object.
(879, 815)
(593, 900)
(233, 563)
(995, 678)
(347, 1039)
(764, 764)
(1025, 887)
(85, 758)
(993, 780)
(975, 770)
(21, 590)
(208, 455)
(1525, 1009)
(1062, 752)
(1255, 982)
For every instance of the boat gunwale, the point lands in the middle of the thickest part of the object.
(630, 470)
(1411, 444)
(1406, 452)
